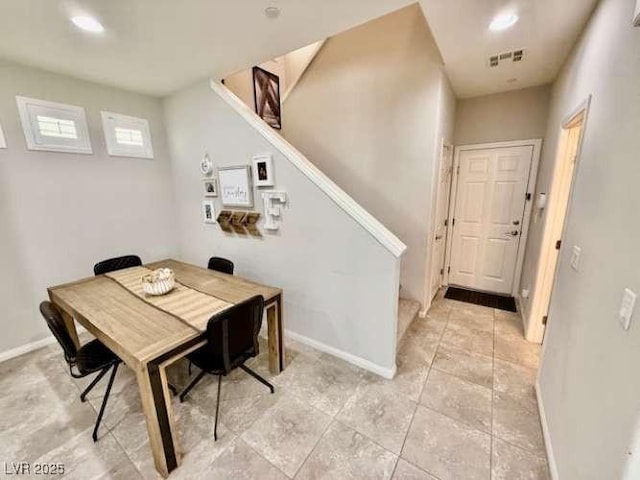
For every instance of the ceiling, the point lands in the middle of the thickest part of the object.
(158, 46)
(547, 30)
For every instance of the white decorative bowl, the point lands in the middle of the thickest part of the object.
(159, 282)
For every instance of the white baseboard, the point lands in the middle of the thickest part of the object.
(357, 361)
(553, 468)
(26, 348)
(30, 347)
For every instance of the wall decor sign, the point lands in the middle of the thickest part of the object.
(263, 170)
(272, 209)
(251, 223)
(208, 212)
(235, 185)
(3, 142)
(224, 220)
(206, 166)
(237, 222)
(240, 222)
(210, 187)
(266, 96)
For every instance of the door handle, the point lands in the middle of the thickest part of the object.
(512, 233)
(516, 222)
(438, 237)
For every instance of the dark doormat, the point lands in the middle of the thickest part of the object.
(481, 298)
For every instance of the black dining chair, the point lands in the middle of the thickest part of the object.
(90, 358)
(117, 263)
(232, 339)
(220, 264)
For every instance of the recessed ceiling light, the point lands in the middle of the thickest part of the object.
(502, 22)
(272, 12)
(87, 23)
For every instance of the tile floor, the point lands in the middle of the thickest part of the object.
(462, 406)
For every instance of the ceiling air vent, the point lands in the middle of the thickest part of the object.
(513, 56)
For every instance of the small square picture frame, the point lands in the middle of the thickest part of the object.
(210, 187)
(263, 173)
(208, 211)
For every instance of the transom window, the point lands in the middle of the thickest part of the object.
(127, 136)
(54, 127)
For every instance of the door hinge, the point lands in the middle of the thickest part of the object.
(527, 197)
(458, 169)
(453, 222)
(449, 269)
(442, 271)
(446, 222)
(558, 244)
(544, 320)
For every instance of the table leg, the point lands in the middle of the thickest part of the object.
(275, 336)
(156, 404)
(71, 327)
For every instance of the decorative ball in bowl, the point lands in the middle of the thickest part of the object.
(158, 282)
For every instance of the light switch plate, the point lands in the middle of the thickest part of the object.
(3, 142)
(575, 257)
(626, 308)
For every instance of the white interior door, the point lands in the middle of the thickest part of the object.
(442, 209)
(488, 216)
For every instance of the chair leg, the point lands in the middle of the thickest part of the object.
(215, 427)
(83, 395)
(104, 401)
(191, 385)
(257, 377)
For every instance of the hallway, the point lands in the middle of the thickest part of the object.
(477, 409)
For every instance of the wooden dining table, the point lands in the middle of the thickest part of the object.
(151, 333)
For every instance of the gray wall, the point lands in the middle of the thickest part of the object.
(366, 113)
(63, 212)
(588, 376)
(340, 284)
(514, 115)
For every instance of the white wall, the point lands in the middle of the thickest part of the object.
(62, 212)
(514, 115)
(297, 62)
(366, 113)
(340, 284)
(589, 382)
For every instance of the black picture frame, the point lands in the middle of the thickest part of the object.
(266, 97)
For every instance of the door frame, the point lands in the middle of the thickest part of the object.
(444, 144)
(536, 143)
(534, 324)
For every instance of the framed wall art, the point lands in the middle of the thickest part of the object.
(266, 96)
(235, 187)
(263, 171)
(210, 187)
(208, 212)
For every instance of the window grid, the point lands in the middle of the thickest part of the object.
(129, 136)
(56, 127)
